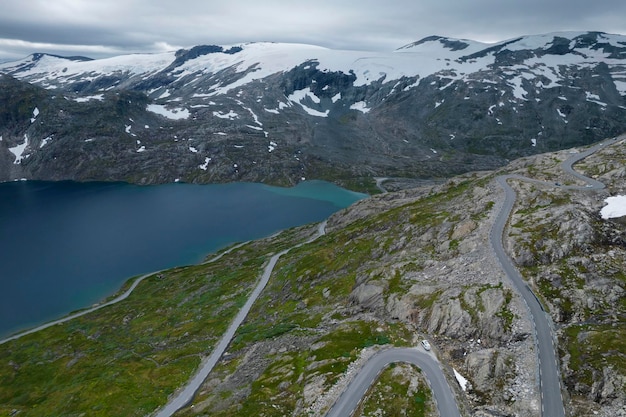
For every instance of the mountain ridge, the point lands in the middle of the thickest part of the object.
(437, 107)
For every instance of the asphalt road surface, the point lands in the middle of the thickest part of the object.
(184, 396)
(357, 388)
(549, 377)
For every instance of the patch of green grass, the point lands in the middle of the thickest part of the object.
(395, 284)
(250, 333)
(595, 347)
(366, 185)
(279, 386)
(348, 340)
(392, 395)
(483, 213)
(505, 313)
(126, 359)
(426, 301)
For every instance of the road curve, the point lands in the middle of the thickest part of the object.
(549, 377)
(186, 394)
(80, 313)
(99, 306)
(357, 388)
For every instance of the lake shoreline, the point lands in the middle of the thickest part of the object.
(71, 202)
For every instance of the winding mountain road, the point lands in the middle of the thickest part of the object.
(549, 377)
(357, 388)
(116, 300)
(81, 313)
(185, 395)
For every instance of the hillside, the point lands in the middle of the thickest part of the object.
(391, 270)
(277, 113)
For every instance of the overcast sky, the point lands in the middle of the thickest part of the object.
(98, 28)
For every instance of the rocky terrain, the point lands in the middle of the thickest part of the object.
(277, 113)
(391, 270)
(433, 273)
(426, 267)
(575, 259)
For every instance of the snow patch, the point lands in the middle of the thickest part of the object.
(314, 112)
(620, 86)
(594, 98)
(534, 142)
(173, 113)
(231, 115)
(415, 84)
(35, 114)
(463, 382)
(18, 151)
(192, 149)
(360, 106)
(518, 91)
(299, 96)
(615, 207)
(254, 116)
(205, 166)
(43, 142)
(563, 115)
(336, 98)
(141, 149)
(99, 97)
(271, 146)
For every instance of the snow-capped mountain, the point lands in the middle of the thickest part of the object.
(282, 112)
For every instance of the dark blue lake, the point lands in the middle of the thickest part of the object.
(65, 245)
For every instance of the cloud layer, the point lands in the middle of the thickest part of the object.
(97, 29)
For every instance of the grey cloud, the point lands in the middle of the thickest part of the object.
(137, 26)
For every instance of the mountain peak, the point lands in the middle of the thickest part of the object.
(449, 43)
(39, 55)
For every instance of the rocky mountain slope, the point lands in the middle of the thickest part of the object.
(399, 267)
(391, 270)
(278, 113)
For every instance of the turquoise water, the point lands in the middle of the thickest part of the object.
(65, 245)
